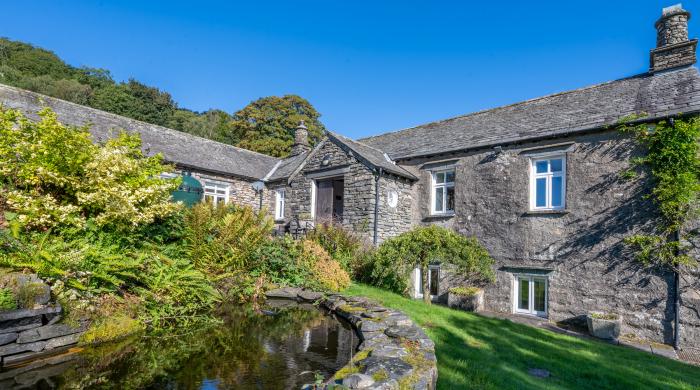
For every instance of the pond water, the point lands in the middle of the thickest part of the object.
(282, 346)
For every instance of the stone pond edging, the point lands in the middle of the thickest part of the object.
(394, 352)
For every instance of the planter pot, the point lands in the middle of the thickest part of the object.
(466, 302)
(607, 329)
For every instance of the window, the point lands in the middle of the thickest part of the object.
(279, 204)
(548, 183)
(216, 193)
(433, 281)
(443, 192)
(531, 295)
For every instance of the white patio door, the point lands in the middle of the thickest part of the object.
(531, 296)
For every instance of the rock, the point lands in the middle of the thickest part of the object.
(34, 288)
(394, 367)
(389, 384)
(604, 329)
(408, 332)
(24, 313)
(539, 372)
(374, 314)
(11, 349)
(358, 381)
(7, 338)
(47, 332)
(389, 351)
(284, 292)
(309, 296)
(372, 326)
(18, 325)
(63, 340)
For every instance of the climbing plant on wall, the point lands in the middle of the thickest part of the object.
(671, 157)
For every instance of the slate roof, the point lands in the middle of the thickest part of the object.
(286, 167)
(177, 147)
(591, 108)
(375, 157)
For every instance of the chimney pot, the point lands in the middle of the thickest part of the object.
(673, 49)
(301, 140)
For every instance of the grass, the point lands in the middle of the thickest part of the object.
(475, 352)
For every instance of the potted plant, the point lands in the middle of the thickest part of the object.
(604, 325)
(466, 298)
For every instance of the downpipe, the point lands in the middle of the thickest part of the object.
(375, 238)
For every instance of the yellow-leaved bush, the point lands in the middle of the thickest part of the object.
(325, 271)
(53, 175)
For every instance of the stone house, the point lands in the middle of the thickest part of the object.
(537, 182)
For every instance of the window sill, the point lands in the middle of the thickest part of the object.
(279, 220)
(439, 216)
(546, 212)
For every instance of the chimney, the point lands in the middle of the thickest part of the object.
(301, 140)
(673, 49)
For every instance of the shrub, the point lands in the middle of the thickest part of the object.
(222, 240)
(343, 246)
(110, 329)
(7, 299)
(53, 175)
(391, 265)
(326, 273)
(465, 291)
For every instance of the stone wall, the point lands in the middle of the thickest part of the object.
(240, 190)
(579, 250)
(398, 219)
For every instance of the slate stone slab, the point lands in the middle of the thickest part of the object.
(63, 341)
(284, 292)
(358, 381)
(47, 332)
(7, 338)
(11, 349)
(309, 296)
(389, 384)
(372, 326)
(20, 324)
(408, 332)
(23, 313)
(394, 367)
(389, 351)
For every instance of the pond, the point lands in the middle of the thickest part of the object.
(282, 346)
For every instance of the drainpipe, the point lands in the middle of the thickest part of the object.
(376, 206)
(677, 300)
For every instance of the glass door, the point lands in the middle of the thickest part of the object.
(531, 297)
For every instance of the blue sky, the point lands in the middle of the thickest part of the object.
(368, 67)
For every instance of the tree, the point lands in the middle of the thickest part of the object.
(424, 245)
(267, 124)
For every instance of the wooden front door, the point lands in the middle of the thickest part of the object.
(329, 200)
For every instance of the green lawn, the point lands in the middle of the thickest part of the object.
(482, 353)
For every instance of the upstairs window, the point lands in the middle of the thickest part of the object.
(443, 192)
(216, 193)
(279, 204)
(548, 183)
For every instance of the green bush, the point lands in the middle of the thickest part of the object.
(7, 299)
(343, 246)
(465, 291)
(53, 175)
(391, 265)
(222, 240)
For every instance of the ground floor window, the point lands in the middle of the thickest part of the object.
(433, 281)
(531, 295)
(216, 193)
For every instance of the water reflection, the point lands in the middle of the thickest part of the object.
(250, 350)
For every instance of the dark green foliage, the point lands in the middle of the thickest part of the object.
(265, 125)
(672, 157)
(392, 263)
(8, 301)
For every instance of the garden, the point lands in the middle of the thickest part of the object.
(97, 224)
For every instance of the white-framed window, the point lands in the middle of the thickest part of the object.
(548, 183)
(433, 281)
(530, 295)
(442, 192)
(279, 203)
(216, 193)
